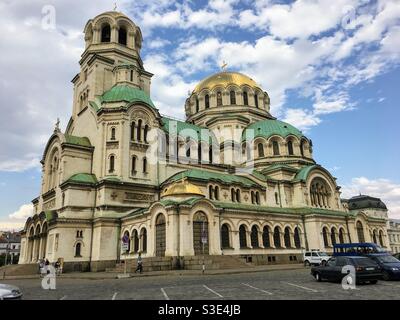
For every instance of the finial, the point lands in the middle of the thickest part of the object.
(115, 6)
(224, 65)
(57, 126)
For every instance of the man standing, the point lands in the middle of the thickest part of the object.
(139, 264)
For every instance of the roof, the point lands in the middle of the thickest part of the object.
(85, 178)
(268, 128)
(80, 141)
(126, 93)
(182, 188)
(185, 129)
(302, 175)
(224, 79)
(365, 202)
(205, 175)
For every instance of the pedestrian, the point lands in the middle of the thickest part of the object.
(57, 266)
(139, 264)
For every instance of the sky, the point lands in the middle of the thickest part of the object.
(331, 69)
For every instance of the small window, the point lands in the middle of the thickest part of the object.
(139, 130)
(144, 165)
(256, 100)
(245, 98)
(207, 101)
(275, 148)
(131, 77)
(112, 164)
(133, 171)
(78, 249)
(290, 147)
(238, 195)
(276, 198)
(112, 134)
(219, 98)
(211, 192)
(197, 105)
(232, 96)
(260, 150)
(146, 130)
(216, 193)
(133, 131)
(233, 195)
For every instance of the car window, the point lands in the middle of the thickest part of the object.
(308, 254)
(387, 259)
(364, 262)
(332, 262)
(314, 254)
(323, 254)
(341, 261)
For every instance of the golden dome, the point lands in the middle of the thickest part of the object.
(182, 188)
(224, 79)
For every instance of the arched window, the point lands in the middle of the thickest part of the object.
(143, 237)
(216, 193)
(381, 238)
(211, 192)
(112, 134)
(106, 33)
(219, 98)
(245, 98)
(188, 145)
(258, 198)
(297, 241)
(112, 164)
(210, 154)
(302, 148)
(254, 237)
(131, 77)
(290, 147)
(146, 130)
(360, 232)
(374, 237)
(207, 101)
(325, 236)
(232, 96)
(133, 167)
(252, 197)
(260, 148)
(78, 247)
(132, 130)
(277, 238)
(320, 194)
(238, 195)
(256, 100)
(225, 243)
(286, 236)
(242, 236)
(122, 36)
(197, 105)
(341, 235)
(144, 165)
(233, 195)
(135, 238)
(139, 130)
(265, 236)
(333, 236)
(276, 198)
(275, 148)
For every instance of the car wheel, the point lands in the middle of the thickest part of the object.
(318, 277)
(307, 263)
(323, 263)
(385, 276)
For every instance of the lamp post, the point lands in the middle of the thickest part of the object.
(8, 244)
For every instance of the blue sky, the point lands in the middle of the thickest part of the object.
(330, 68)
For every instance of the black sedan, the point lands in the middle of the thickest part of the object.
(366, 270)
(397, 255)
(390, 266)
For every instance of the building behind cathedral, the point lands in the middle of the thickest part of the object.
(230, 180)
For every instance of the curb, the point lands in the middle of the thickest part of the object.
(114, 276)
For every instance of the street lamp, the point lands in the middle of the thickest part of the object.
(8, 244)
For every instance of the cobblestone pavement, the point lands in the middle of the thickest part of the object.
(272, 285)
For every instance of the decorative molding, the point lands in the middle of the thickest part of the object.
(131, 196)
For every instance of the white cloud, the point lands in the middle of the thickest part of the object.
(11, 225)
(385, 189)
(301, 119)
(24, 211)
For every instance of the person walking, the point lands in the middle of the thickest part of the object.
(139, 264)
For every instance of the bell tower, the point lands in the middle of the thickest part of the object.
(111, 56)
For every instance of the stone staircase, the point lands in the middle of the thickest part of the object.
(19, 270)
(186, 263)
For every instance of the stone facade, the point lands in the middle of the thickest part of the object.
(230, 180)
(393, 230)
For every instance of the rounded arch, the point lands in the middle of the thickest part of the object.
(287, 237)
(297, 237)
(277, 236)
(225, 236)
(243, 236)
(325, 235)
(360, 231)
(334, 235)
(254, 236)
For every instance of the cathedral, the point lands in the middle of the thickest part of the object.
(231, 180)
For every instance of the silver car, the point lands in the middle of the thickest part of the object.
(9, 292)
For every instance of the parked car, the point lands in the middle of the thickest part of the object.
(315, 258)
(390, 266)
(366, 269)
(397, 255)
(9, 292)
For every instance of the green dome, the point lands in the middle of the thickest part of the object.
(268, 128)
(126, 93)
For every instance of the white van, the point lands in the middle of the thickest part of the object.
(315, 257)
